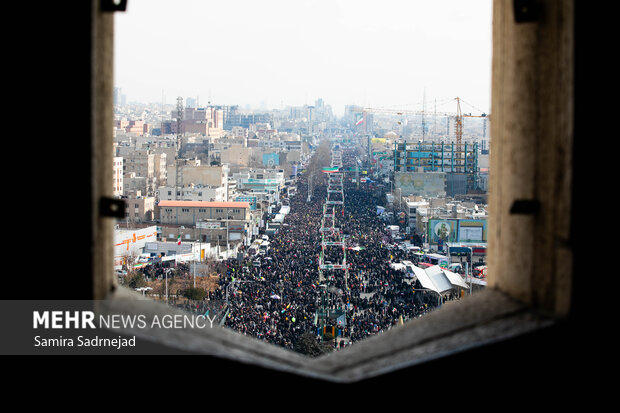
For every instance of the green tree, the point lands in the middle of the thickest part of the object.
(310, 346)
(195, 293)
(135, 280)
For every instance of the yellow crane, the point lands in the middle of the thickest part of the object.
(458, 129)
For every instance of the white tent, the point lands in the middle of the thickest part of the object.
(424, 279)
(455, 278)
(438, 279)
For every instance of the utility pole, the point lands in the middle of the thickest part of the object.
(178, 178)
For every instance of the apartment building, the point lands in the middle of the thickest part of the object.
(192, 172)
(140, 209)
(138, 127)
(415, 209)
(260, 181)
(207, 121)
(199, 193)
(143, 169)
(117, 176)
(191, 212)
(216, 221)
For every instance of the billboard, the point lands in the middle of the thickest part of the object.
(472, 230)
(455, 230)
(421, 183)
(271, 159)
(442, 231)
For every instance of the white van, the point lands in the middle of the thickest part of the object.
(264, 248)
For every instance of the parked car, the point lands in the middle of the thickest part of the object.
(456, 267)
(480, 272)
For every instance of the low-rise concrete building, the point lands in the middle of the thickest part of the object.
(217, 221)
(191, 212)
(139, 208)
(200, 193)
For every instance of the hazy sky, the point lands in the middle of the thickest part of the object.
(290, 52)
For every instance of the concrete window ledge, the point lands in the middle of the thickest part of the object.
(484, 318)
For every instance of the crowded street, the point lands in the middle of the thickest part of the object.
(277, 301)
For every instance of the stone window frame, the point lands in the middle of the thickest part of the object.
(531, 213)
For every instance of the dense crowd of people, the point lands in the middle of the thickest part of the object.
(278, 300)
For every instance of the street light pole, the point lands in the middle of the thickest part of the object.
(166, 273)
(469, 269)
(227, 232)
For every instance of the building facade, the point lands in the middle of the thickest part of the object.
(200, 193)
(260, 180)
(117, 176)
(143, 170)
(139, 209)
(207, 121)
(217, 221)
(192, 212)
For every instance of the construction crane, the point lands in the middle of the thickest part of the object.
(458, 115)
(458, 129)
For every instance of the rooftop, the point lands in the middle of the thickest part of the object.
(197, 204)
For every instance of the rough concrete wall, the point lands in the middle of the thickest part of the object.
(102, 147)
(531, 144)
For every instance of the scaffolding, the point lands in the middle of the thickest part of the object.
(333, 243)
(178, 171)
(439, 157)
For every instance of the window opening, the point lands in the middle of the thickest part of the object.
(386, 219)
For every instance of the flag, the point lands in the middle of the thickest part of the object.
(359, 121)
(179, 240)
(330, 170)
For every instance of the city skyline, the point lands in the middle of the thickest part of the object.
(279, 53)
